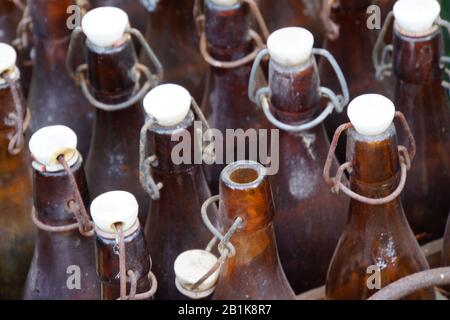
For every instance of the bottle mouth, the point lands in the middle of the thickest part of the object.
(243, 174)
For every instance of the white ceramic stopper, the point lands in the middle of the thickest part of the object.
(191, 266)
(225, 3)
(371, 114)
(169, 104)
(291, 46)
(112, 208)
(416, 16)
(48, 143)
(8, 57)
(105, 26)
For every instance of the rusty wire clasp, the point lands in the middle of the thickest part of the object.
(24, 29)
(406, 157)
(78, 74)
(382, 53)
(259, 41)
(20, 119)
(261, 96)
(75, 206)
(120, 250)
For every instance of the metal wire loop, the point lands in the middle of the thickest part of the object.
(382, 53)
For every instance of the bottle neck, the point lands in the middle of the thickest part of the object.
(53, 191)
(175, 147)
(112, 73)
(417, 59)
(295, 91)
(108, 263)
(50, 18)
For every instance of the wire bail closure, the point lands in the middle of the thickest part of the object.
(78, 74)
(75, 206)
(120, 250)
(261, 96)
(406, 156)
(145, 163)
(332, 28)
(259, 41)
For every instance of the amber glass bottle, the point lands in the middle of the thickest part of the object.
(16, 229)
(54, 97)
(352, 47)
(113, 160)
(303, 201)
(173, 35)
(10, 16)
(377, 246)
(63, 265)
(227, 32)
(424, 101)
(111, 212)
(174, 224)
(254, 272)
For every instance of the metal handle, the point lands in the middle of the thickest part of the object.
(382, 66)
(262, 96)
(406, 156)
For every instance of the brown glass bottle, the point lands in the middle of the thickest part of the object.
(353, 51)
(424, 102)
(113, 160)
(173, 36)
(16, 228)
(58, 255)
(226, 96)
(54, 98)
(375, 235)
(254, 272)
(299, 13)
(134, 8)
(308, 217)
(137, 260)
(174, 224)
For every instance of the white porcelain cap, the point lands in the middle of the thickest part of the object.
(192, 265)
(371, 114)
(290, 46)
(114, 207)
(416, 16)
(8, 57)
(105, 26)
(48, 143)
(169, 104)
(225, 3)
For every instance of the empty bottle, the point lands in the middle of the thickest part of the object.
(377, 246)
(308, 218)
(16, 229)
(174, 224)
(229, 45)
(112, 86)
(123, 263)
(172, 33)
(351, 42)
(254, 272)
(54, 97)
(63, 265)
(420, 94)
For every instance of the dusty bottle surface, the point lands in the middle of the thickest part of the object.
(377, 246)
(304, 203)
(113, 160)
(226, 101)
(254, 272)
(353, 50)
(174, 224)
(286, 13)
(113, 211)
(173, 35)
(16, 231)
(424, 102)
(54, 97)
(63, 265)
